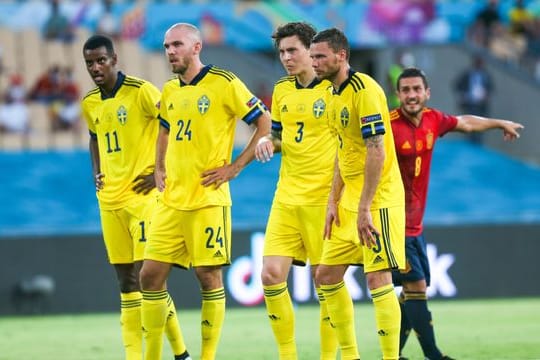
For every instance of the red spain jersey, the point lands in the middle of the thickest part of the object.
(414, 149)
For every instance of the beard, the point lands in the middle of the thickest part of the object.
(181, 67)
(330, 74)
(412, 110)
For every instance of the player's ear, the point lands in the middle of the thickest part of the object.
(197, 47)
(114, 59)
(428, 93)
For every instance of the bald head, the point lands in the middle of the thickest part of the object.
(183, 45)
(190, 30)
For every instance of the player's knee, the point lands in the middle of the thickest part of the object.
(272, 274)
(128, 277)
(210, 278)
(325, 276)
(417, 286)
(378, 279)
(149, 280)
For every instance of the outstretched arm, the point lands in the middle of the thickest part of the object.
(471, 123)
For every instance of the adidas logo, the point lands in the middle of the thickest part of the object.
(378, 259)
(206, 323)
(406, 145)
(382, 333)
(284, 108)
(273, 317)
(171, 107)
(218, 254)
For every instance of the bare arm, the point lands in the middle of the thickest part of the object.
(372, 174)
(336, 190)
(227, 172)
(96, 167)
(160, 173)
(470, 123)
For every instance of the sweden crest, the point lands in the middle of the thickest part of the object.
(344, 117)
(318, 108)
(121, 115)
(203, 104)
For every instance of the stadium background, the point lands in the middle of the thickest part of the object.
(483, 216)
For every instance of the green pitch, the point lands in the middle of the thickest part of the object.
(479, 329)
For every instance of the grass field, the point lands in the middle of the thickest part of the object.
(479, 329)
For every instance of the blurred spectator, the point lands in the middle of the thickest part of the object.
(483, 27)
(47, 87)
(474, 87)
(401, 21)
(521, 20)
(108, 24)
(14, 115)
(402, 60)
(64, 112)
(264, 94)
(57, 26)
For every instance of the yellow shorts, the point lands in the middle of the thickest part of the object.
(295, 231)
(344, 248)
(188, 238)
(125, 230)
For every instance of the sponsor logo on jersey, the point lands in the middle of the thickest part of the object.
(371, 118)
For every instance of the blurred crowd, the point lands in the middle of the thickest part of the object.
(510, 35)
(516, 40)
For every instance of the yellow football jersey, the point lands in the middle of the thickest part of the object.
(359, 111)
(201, 117)
(125, 125)
(308, 147)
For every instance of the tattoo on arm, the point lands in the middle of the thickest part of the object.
(276, 134)
(374, 141)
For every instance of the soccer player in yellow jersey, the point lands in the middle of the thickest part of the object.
(294, 232)
(365, 222)
(121, 113)
(192, 224)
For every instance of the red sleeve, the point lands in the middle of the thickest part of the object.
(446, 122)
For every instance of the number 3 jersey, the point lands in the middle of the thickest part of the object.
(308, 148)
(125, 126)
(414, 148)
(201, 117)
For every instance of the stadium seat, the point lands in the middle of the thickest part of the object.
(38, 141)
(157, 70)
(130, 58)
(56, 53)
(64, 140)
(39, 118)
(12, 141)
(31, 54)
(8, 43)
